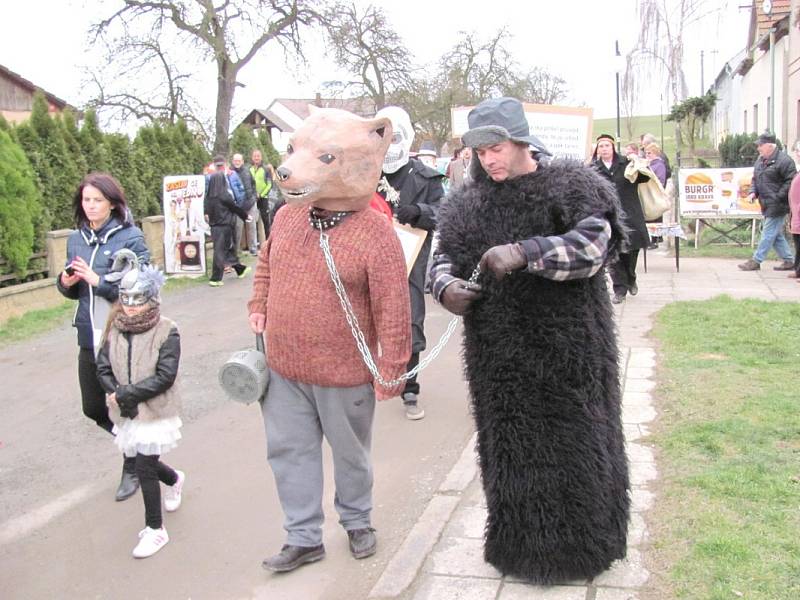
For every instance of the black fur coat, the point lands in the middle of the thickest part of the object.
(541, 361)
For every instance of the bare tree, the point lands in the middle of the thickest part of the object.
(538, 85)
(165, 100)
(230, 32)
(366, 46)
(659, 49)
(629, 94)
(471, 71)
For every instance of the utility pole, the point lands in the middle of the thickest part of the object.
(702, 80)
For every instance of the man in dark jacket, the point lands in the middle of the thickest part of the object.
(772, 175)
(414, 191)
(540, 349)
(250, 227)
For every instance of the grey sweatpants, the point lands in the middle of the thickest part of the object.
(296, 416)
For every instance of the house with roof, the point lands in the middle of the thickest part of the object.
(759, 88)
(16, 97)
(284, 115)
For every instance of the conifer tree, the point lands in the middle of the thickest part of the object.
(70, 132)
(121, 163)
(58, 174)
(20, 205)
(91, 141)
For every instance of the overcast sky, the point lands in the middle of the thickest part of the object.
(46, 42)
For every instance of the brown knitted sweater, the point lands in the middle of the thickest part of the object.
(308, 337)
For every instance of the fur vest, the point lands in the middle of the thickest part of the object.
(541, 361)
(143, 360)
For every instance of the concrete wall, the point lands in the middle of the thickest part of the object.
(153, 229)
(756, 89)
(16, 300)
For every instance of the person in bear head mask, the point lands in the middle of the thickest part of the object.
(540, 348)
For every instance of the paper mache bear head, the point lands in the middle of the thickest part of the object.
(335, 160)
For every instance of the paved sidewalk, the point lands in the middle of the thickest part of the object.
(442, 557)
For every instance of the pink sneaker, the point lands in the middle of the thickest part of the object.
(172, 497)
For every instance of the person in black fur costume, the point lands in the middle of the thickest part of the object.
(540, 349)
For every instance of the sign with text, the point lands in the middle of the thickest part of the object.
(184, 224)
(566, 131)
(717, 192)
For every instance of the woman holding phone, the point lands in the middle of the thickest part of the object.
(103, 226)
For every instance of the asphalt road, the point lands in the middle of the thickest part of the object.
(62, 535)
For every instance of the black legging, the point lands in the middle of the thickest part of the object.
(266, 216)
(93, 397)
(150, 471)
(412, 386)
(623, 272)
(224, 254)
(796, 240)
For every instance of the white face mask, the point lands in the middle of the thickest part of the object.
(402, 138)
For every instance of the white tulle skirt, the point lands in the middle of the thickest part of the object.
(147, 437)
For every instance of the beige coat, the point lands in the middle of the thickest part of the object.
(144, 358)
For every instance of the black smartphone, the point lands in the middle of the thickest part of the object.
(69, 270)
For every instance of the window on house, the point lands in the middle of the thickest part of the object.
(755, 118)
(744, 125)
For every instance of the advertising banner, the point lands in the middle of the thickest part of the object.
(184, 224)
(566, 131)
(717, 193)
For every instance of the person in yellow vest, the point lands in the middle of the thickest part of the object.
(263, 180)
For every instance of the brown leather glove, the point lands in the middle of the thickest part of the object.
(503, 260)
(459, 295)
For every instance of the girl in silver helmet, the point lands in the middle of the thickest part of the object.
(137, 367)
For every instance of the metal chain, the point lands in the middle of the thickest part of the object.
(358, 335)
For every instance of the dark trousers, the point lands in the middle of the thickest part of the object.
(266, 216)
(412, 386)
(796, 240)
(151, 471)
(222, 236)
(623, 272)
(93, 397)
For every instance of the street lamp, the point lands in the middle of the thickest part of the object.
(617, 68)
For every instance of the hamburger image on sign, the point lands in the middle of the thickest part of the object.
(699, 187)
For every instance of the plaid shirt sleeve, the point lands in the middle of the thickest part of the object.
(577, 254)
(441, 275)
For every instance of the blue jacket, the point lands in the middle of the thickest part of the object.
(97, 248)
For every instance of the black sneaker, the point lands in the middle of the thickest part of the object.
(633, 289)
(363, 542)
(786, 265)
(291, 557)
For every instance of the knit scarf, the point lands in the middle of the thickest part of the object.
(141, 322)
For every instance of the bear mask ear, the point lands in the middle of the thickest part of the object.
(382, 126)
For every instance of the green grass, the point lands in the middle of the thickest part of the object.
(35, 322)
(41, 321)
(727, 519)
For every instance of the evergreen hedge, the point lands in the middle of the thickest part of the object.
(20, 205)
(738, 150)
(43, 160)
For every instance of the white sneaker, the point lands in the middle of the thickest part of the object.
(172, 497)
(150, 542)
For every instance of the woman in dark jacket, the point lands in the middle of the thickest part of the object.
(612, 166)
(104, 226)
